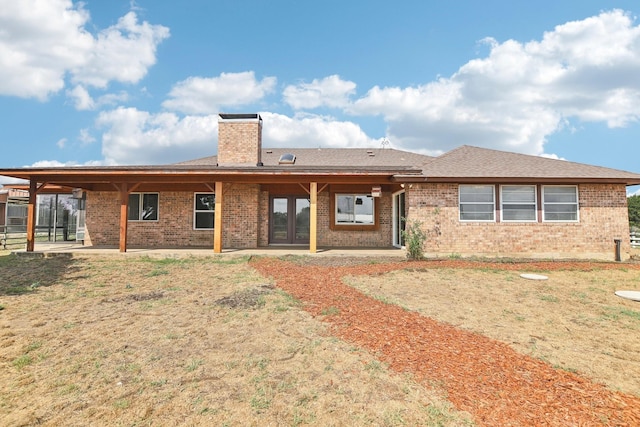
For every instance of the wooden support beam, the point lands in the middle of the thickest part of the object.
(217, 221)
(313, 217)
(31, 215)
(124, 205)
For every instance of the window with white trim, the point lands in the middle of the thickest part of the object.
(560, 203)
(477, 203)
(356, 209)
(518, 203)
(143, 207)
(204, 205)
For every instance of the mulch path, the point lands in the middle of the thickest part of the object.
(485, 377)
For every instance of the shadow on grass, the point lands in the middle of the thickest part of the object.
(24, 274)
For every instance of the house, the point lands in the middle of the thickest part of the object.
(469, 201)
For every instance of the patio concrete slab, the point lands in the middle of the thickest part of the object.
(78, 249)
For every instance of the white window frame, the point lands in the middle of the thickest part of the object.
(196, 211)
(533, 203)
(493, 202)
(141, 208)
(354, 196)
(545, 203)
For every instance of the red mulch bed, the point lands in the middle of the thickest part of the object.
(482, 376)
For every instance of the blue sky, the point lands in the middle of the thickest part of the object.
(123, 82)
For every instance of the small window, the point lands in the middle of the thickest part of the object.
(356, 209)
(518, 203)
(560, 203)
(143, 207)
(287, 159)
(477, 203)
(203, 211)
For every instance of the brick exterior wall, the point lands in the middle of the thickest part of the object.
(603, 217)
(174, 227)
(240, 216)
(239, 142)
(244, 225)
(380, 238)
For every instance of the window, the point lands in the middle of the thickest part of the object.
(143, 207)
(354, 209)
(203, 211)
(560, 203)
(518, 203)
(477, 202)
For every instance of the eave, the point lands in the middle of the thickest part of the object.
(514, 180)
(160, 178)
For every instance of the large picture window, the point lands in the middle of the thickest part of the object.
(518, 203)
(143, 207)
(203, 211)
(560, 203)
(356, 209)
(477, 203)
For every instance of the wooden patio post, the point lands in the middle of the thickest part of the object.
(313, 217)
(217, 221)
(31, 215)
(124, 204)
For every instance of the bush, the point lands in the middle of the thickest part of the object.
(414, 238)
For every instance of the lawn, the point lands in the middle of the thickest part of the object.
(126, 340)
(134, 340)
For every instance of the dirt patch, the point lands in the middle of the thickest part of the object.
(483, 376)
(137, 297)
(247, 298)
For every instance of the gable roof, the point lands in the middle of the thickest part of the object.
(467, 163)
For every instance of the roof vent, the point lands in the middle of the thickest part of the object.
(287, 159)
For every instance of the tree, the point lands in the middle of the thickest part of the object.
(633, 203)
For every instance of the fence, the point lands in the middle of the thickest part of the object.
(635, 240)
(14, 237)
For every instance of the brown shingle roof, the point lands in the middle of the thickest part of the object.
(334, 157)
(474, 162)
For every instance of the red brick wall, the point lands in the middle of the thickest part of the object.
(603, 218)
(174, 227)
(240, 216)
(380, 238)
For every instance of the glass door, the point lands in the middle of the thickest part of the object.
(289, 222)
(399, 220)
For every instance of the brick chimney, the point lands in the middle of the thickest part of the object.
(239, 140)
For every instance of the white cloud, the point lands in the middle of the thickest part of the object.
(206, 95)
(519, 94)
(331, 91)
(123, 52)
(139, 137)
(42, 41)
(306, 130)
(61, 142)
(85, 137)
(81, 98)
(6, 180)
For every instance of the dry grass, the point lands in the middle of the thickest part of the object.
(573, 320)
(182, 341)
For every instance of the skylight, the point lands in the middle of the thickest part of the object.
(287, 159)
